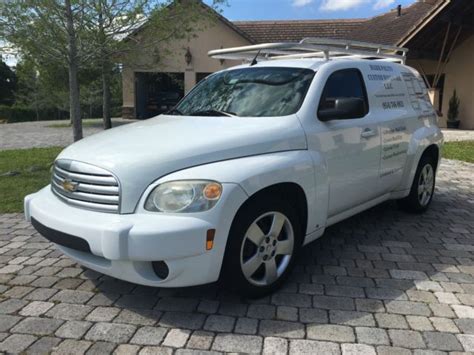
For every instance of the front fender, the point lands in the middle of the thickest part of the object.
(254, 173)
(421, 139)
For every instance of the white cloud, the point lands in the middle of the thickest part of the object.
(380, 4)
(336, 5)
(341, 5)
(301, 3)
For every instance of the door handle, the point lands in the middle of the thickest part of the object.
(367, 133)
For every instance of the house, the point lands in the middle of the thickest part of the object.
(438, 33)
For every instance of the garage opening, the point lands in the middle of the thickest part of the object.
(157, 93)
(201, 76)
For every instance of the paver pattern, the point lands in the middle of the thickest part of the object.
(40, 133)
(382, 282)
(451, 135)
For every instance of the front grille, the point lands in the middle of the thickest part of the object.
(85, 186)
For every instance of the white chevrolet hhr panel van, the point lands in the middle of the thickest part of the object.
(255, 162)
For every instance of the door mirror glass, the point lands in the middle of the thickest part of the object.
(344, 108)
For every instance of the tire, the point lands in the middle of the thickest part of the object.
(258, 260)
(422, 188)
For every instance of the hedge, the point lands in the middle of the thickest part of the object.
(24, 114)
(12, 114)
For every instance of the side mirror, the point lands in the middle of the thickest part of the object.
(344, 108)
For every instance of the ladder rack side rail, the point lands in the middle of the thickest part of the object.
(350, 43)
(255, 48)
(289, 48)
(320, 55)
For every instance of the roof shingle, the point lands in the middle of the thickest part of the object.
(389, 28)
(281, 31)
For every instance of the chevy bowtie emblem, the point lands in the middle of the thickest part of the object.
(69, 185)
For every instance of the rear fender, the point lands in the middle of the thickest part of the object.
(421, 139)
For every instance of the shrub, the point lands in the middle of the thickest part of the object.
(453, 109)
(24, 114)
(12, 114)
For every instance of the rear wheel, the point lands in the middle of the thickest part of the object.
(422, 189)
(264, 239)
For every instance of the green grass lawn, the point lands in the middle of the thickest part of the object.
(463, 150)
(34, 168)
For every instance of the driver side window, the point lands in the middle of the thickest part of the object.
(344, 96)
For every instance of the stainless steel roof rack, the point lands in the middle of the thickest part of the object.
(313, 47)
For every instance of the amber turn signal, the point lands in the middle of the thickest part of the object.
(210, 238)
(212, 191)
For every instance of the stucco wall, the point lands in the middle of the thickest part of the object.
(213, 35)
(459, 75)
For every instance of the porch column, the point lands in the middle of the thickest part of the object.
(433, 93)
(128, 93)
(189, 80)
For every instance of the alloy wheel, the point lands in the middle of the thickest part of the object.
(267, 248)
(425, 185)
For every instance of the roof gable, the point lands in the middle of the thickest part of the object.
(227, 22)
(205, 7)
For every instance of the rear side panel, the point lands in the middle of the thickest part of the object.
(426, 130)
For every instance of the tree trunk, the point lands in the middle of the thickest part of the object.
(74, 100)
(105, 70)
(36, 107)
(106, 97)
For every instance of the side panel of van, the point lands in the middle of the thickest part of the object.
(397, 120)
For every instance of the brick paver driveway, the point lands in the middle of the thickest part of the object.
(383, 281)
(41, 133)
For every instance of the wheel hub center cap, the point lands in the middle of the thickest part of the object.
(267, 249)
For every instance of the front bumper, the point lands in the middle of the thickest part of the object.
(123, 246)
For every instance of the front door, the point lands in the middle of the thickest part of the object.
(350, 146)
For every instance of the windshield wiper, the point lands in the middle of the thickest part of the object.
(213, 113)
(174, 111)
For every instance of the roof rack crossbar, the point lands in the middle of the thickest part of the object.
(313, 47)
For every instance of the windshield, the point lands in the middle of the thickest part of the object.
(248, 92)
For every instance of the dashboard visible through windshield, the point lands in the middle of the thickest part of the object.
(248, 92)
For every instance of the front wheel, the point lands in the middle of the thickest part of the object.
(264, 239)
(422, 189)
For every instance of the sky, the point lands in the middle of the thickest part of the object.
(306, 9)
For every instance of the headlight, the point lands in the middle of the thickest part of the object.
(184, 196)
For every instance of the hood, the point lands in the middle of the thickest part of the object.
(142, 152)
